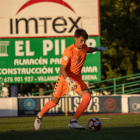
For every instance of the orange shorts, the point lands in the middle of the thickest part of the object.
(61, 86)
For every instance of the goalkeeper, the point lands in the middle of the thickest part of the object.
(70, 78)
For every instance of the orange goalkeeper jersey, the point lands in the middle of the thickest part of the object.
(74, 59)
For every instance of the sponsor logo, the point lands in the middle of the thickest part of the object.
(29, 104)
(136, 106)
(31, 2)
(110, 104)
(48, 18)
(68, 22)
(65, 58)
(3, 48)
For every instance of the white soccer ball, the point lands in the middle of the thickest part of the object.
(94, 124)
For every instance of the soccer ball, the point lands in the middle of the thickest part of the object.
(94, 124)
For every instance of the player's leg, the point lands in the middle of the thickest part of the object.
(52, 103)
(83, 105)
(81, 108)
(82, 90)
(61, 87)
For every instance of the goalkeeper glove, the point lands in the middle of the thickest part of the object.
(102, 49)
(71, 84)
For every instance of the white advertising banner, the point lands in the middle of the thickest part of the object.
(48, 18)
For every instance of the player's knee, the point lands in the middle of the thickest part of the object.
(55, 100)
(87, 97)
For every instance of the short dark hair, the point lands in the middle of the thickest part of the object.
(81, 32)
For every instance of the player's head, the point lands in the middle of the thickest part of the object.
(81, 33)
(80, 36)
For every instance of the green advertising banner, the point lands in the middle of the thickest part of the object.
(38, 60)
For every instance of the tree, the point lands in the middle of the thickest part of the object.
(120, 26)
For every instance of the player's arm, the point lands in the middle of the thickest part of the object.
(63, 71)
(92, 49)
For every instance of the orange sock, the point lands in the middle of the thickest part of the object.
(82, 106)
(47, 107)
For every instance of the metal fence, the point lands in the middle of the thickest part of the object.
(122, 85)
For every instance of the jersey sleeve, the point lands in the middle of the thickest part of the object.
(65, 57)
(86, 48)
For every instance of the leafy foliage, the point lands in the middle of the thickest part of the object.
(120, 26)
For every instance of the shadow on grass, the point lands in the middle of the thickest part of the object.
(131, 133)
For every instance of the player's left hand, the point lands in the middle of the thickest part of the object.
(71, 84)
(102, 49)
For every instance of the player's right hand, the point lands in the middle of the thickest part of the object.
(71, 84)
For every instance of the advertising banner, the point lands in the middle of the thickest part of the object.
(48, 18)
(28, 106)
(98, 104)
(38, 60)
(134, 104)
(34, 34)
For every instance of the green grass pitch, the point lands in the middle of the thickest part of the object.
(114, 127)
